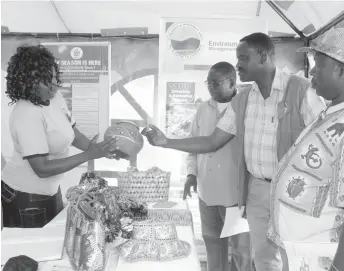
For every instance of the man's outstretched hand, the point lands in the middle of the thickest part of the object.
(154, 136)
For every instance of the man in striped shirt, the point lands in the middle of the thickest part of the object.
(263, 112)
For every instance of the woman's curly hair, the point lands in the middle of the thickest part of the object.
(27, 68)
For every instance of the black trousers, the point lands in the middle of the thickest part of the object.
(25, 210)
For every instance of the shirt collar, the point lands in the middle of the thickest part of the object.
(212, 102)
(277, 84)
(335, 108)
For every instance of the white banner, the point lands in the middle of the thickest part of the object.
(187, 50)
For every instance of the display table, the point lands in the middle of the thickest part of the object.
(41, 244)
(179, 214)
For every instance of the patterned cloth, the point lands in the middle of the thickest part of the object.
(261, 124)
(181, 217)
(310, 256)
(154, 240)
(308, 187)
(84, 241)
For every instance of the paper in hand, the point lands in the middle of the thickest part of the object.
(234, 223)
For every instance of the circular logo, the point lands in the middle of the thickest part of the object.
(76, 53)
(184, 40)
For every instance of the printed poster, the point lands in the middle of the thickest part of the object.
(188, 47)
(180, 99)
(85, 76)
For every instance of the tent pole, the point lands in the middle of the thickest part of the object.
(59, 15)
(259, 6)
(306, 61)
(285, 18)
(327, 26)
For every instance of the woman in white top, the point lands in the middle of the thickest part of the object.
(42, 130)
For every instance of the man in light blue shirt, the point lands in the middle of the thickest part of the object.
(212, 174)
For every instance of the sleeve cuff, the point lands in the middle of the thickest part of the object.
(192, 171)
(231, 129)
(35, 155)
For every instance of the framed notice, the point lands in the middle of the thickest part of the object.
(86, 83)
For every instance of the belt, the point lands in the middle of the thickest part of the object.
(268, 180)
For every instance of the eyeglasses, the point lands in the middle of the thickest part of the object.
(214, 83)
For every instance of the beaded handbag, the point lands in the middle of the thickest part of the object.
(152, 185)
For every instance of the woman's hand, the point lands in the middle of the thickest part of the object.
(45, 168)
(105, 148)
(118, 155)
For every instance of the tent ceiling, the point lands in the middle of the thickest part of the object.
(91, 16)
(310, 16)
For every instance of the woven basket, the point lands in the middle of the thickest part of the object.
(145, 186)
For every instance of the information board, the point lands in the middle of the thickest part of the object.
(85, 75)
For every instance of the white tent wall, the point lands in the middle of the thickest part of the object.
(92, 16)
